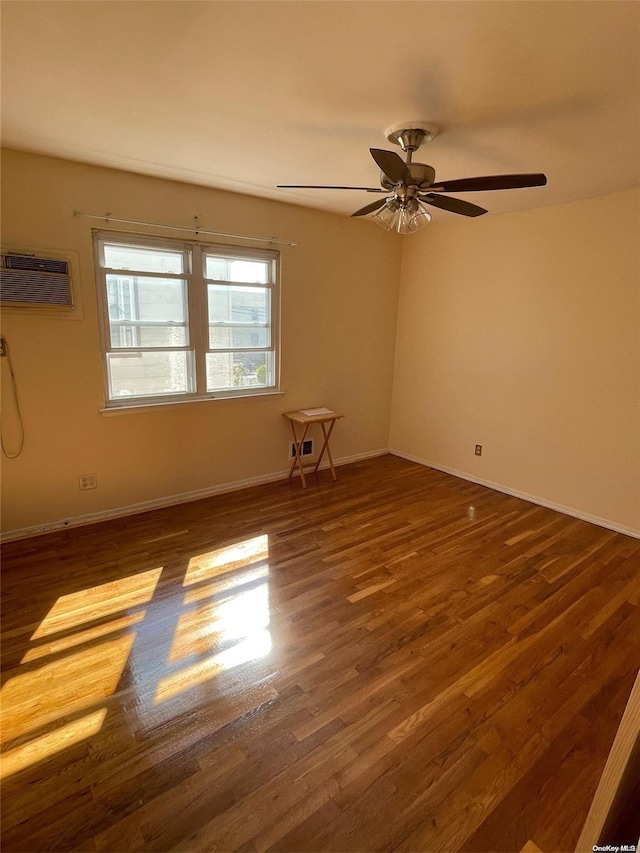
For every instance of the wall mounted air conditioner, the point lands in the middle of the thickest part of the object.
(34, 280)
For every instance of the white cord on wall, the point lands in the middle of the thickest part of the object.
(11, 454)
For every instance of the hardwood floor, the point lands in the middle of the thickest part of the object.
(358, 666)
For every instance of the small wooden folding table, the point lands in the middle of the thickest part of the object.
(305, 417)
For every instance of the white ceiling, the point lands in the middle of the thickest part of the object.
(246, 95)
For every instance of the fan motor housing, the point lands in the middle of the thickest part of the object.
(422, 176)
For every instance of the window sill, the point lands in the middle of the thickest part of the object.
(108, 411)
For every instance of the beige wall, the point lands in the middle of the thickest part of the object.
(520, 332)
(339, 298)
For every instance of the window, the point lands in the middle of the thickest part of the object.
(184, 321)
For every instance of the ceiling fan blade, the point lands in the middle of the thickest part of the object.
(454, 205)
(322, 187)
(392, 165)
(490, 182)
(369, 208)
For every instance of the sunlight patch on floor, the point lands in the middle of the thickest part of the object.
(227, 559)
(89, 635)
(77, 668)
(86, 605)
(38, 697)
(230, 624)
(41, 748)
(79, 637)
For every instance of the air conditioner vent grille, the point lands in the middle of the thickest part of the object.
(30, 262)
(31, 280)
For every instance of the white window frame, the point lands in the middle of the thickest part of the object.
(194, 253)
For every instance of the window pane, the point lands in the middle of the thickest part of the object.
(228, 370)
(147, 312)
(229, 304)
(238, 337)
(237, 269)
(143, 259)
(149, 374)
(127, 334)
(154, 347)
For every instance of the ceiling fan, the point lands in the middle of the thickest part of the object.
(413, 186)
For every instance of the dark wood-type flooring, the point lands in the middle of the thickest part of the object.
(359, 666)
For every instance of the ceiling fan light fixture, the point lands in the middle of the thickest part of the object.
(387, 216)
(420, 218)
(404, 218)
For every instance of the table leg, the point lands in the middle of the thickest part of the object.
(325, 446)
(297, 460)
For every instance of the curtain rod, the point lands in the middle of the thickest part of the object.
(196, 228)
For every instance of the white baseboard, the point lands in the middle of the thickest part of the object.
(171, 500)
(185, 497)
(498, 487)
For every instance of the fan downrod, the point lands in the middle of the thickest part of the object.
(410, 135)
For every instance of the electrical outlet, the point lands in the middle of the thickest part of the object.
(87, 481)
(478, 450)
